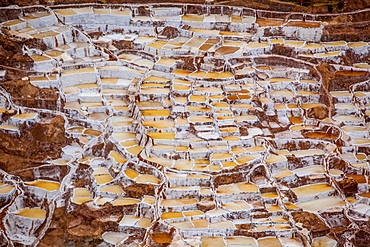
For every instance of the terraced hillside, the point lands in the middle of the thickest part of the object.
(183, 125)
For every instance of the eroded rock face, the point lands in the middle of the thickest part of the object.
(170, 32)
(25, 94)
(27, 148)
(11, 54)
(361, 238)
(318, 112)
(139, 190)
(82, 226)
(312, 223)
(184, 125)
(349, 186)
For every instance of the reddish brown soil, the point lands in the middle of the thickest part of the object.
(11, 50)
(318, 112)
(82, 227)
(25, 94)
(348, 186)
(311, 222)
(29, 149)
(139, 190)
(349, 31)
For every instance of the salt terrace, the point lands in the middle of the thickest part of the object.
(193, 125)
